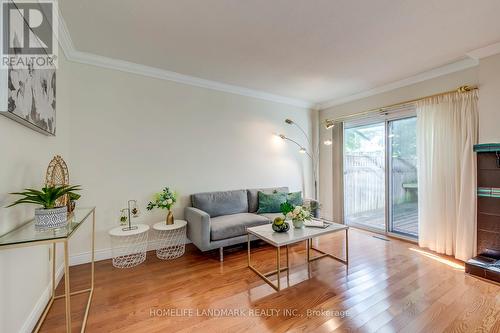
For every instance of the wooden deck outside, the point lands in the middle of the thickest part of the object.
(405, 219)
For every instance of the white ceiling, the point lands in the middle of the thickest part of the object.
(309, 50)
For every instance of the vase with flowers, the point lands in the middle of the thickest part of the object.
(298, 215)
(164, 200)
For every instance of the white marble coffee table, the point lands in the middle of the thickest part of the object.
(266, 233)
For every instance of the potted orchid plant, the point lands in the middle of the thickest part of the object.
(164, 200)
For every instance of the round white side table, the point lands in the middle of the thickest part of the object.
(171, 239)
(129, 246)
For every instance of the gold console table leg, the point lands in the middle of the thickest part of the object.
(92, 271)
(67, 293)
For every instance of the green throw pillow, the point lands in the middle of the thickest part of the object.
(295, 198)
(270, 203)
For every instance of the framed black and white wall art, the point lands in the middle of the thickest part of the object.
(31, 98)
(27, 68)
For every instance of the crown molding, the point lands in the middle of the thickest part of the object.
(63, 36)
(485, 52)
(433, 73)
(134, 68)
(73, 55)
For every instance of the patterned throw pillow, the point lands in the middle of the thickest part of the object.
(295, 198)
(270, 203)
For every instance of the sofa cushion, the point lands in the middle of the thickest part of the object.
(271, 203)
(221, 203)
(271, 216)
(253, 196)
(229, 226)
(295, 198)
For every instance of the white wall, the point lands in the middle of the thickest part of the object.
(437, 85)
(489, 99)
(132, 135)
(25, 154)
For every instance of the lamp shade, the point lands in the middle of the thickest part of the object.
(329, 124)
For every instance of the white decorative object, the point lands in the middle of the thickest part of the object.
(314, 223)
(51, 218)
(171, 239)
(129, 246)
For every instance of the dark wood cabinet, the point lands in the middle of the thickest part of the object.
(487, 263)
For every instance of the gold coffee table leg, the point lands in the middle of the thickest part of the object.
(265, 276)
(325, 254)
(287, 265)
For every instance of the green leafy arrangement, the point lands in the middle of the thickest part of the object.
(74, 196)
(48, 196)
(164, 199)
(286, 208)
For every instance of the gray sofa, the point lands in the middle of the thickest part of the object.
(219, 219)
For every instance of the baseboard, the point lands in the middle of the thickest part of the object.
(86, 257)
(103, 254)
(42, 302)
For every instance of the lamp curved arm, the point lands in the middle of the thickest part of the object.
(303, 132)
(314, 150)
(301, 147)
(291, 140)
(313, 160)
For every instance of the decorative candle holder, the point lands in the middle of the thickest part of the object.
(132, 212)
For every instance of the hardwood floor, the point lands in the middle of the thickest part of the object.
(388, 287)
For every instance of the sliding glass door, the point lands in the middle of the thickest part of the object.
(364, 176)
(403, 189)
(380, 176)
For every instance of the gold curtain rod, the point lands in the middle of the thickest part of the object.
(329, 123)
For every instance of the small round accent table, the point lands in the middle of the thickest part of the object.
(171, 239)
(129, 246)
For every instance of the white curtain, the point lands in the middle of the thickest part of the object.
(338, 172)
(447, 129)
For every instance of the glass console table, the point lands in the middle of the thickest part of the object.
(26, 235)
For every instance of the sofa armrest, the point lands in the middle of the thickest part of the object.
(198, 228)
(310, 202)
(314, 205)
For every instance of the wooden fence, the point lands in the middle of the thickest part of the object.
(364, 182)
